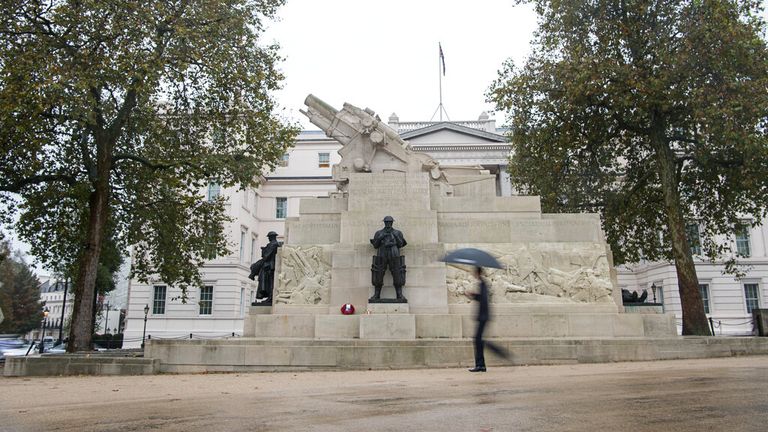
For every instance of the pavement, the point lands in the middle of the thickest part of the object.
(726, 394)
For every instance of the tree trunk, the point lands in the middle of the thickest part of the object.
(694, 318)
(81, 328)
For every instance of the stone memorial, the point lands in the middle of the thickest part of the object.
(557, 280)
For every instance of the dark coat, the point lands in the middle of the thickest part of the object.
(388, 242)
(483, 308)
(268, 254)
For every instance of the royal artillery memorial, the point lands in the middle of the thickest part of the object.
(555, 301)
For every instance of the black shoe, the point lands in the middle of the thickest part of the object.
(477, 369)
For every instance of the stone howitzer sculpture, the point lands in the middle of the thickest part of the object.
(363, 135)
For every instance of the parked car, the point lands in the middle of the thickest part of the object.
(57, 349)
(62, 348)
(11, 343)
(21, 351)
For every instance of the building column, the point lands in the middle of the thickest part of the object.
(504, 181)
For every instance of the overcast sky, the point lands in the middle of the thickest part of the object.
(384, 54)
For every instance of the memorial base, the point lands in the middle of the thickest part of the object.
(388, 326)
(388, 308)
(386, 300)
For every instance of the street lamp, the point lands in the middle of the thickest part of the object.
(42, 332)
(63, 309)
(106, 320)
(146, 311)
(653, 289)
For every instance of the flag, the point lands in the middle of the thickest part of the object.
(442, 57)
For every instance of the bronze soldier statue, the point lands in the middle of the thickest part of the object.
(265, 269)
(388, 242)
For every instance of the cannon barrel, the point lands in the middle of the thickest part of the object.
(320, 107)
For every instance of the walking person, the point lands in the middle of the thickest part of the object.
(483, 316)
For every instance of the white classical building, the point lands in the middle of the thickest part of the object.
(58, 298)
(218, 309)
(728, 301)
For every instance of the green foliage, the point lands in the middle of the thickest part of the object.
(114, 116)
(19, 294)
(650, 112)
(581, 110)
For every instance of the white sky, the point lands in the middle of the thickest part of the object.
(384, 54)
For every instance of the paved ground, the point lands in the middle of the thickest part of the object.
(688, 395)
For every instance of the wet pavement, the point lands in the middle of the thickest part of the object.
(688, 395)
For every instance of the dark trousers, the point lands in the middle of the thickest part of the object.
(479, 344)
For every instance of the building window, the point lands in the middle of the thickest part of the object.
(214, 190)
(752, 296)
(242, 302)
(158, 302)
(659, 292)
(210, 251)
(704, 290)
(694, 238)
(281, 208)
(253, 249)
(284, 160)
(246, 196)
(742, 240)
(324, 160)
(243, 232)
(206, 300)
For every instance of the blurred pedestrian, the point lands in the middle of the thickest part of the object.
(483, 316)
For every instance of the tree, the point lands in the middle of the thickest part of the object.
(651, 112)
(115, 115)
(19, 293)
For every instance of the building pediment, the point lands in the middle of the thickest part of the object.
(452, 134)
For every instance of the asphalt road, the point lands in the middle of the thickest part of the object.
(688, 395)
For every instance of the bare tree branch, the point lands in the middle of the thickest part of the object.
(17, 186)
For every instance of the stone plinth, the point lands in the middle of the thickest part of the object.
(388, 326)
(260, 310)
(388, 308)
(644, 308)
(337, 326)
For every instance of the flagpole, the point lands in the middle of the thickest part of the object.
(440, 73)
(440, 81)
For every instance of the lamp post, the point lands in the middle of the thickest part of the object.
(106, 319)
(146, 311)
(653, 289)
(63, 308)
(42, 332)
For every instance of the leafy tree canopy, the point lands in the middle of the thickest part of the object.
(19, 293)
(115, 115)
(651, 112)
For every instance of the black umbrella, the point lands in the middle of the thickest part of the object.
(472, 257)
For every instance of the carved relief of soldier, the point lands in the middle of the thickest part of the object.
(264, 269)
(388, 242)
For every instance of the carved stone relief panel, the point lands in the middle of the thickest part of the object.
(538, 272)
(305, 275)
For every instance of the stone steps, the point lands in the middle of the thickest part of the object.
(275, 354)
